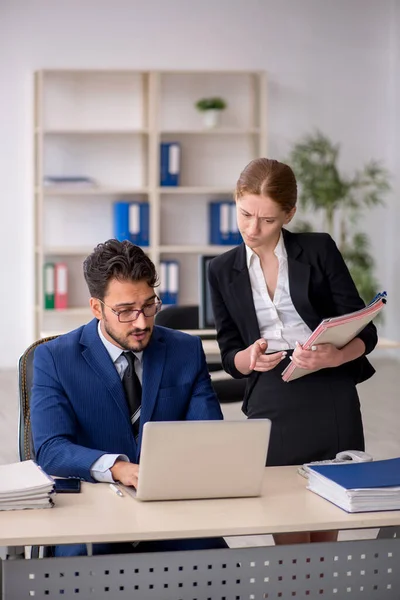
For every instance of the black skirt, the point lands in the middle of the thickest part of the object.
(313, 417)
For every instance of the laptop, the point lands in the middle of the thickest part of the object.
(183, 460)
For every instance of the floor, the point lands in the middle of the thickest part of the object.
(380, 403)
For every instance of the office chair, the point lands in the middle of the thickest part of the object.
(187, 317)
(25, 442)
(25, 380)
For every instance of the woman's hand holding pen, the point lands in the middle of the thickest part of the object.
(259, 361)
(318, 357)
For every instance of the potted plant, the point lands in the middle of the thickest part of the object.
(211, 109)
(341, 200)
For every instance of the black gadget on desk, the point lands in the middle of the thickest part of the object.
(67, 486)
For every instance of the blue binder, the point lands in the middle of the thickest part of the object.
(213, 218)
(144, 219)
(131, 222)
(121, 221)
(360, 475)
(222, 223)
(173, 281)
(169, 281)
(235, 236)
(170, 163)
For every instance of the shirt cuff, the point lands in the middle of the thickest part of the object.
(100, 469)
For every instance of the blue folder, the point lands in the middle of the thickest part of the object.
(361, 475)
(170, 153)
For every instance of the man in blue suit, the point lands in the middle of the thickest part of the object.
(95, 387)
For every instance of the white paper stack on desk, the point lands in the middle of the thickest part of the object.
(358, 486)
(25, 485)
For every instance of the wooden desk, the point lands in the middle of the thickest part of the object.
(99, 515)
(359, 569)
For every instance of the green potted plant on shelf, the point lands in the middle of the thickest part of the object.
(211, 109)
(341, 199)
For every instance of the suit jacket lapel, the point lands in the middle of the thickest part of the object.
(299, 280)
(153, 366)
(99, 360)
(240, 288)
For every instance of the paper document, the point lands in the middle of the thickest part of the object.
(25, 485)
(338, 331)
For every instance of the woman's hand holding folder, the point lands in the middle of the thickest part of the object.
(322, 356)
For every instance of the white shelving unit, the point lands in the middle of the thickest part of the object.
(108, 125)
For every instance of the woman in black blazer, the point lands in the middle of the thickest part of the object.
(268, 294)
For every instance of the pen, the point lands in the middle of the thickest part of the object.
(116, 490)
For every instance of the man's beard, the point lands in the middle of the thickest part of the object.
(125, 341)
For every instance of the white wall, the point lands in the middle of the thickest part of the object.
(330, 63)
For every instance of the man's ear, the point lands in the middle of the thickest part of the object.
(95, 306)
(290, 215)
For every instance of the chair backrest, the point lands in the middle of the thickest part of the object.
(25, 380)
(179, 317)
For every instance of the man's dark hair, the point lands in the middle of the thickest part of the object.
(117, 260)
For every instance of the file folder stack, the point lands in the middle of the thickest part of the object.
(24, 485)
(358, 486)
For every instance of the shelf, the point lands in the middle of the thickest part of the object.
(76, 251)
(79, 131)
(92, 131)
(206, 249)
(196, 190)
(80, 311)
(90, 191)
(67, 250)
(215, 131)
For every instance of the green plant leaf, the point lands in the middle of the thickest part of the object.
(326, 189)
(214, 103)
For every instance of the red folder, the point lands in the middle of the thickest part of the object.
(61, 287)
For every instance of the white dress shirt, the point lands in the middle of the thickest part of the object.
(279, 322)
(100, 469)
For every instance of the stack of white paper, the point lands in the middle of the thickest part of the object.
(25, 485)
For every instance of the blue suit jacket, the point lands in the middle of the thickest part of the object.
(78, 406)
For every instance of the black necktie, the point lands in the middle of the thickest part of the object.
(133, 391)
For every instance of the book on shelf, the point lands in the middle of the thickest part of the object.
(132, 222)
(223, 228)
(25, 485)
(169, 282)
(55, 285)
(69, 181)
(358, 486)
(338, 331)
(48, 285)
(61, 286)
(170, 163)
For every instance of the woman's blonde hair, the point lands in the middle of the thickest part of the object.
(271, 178)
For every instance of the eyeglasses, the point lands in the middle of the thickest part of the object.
(132, 314)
